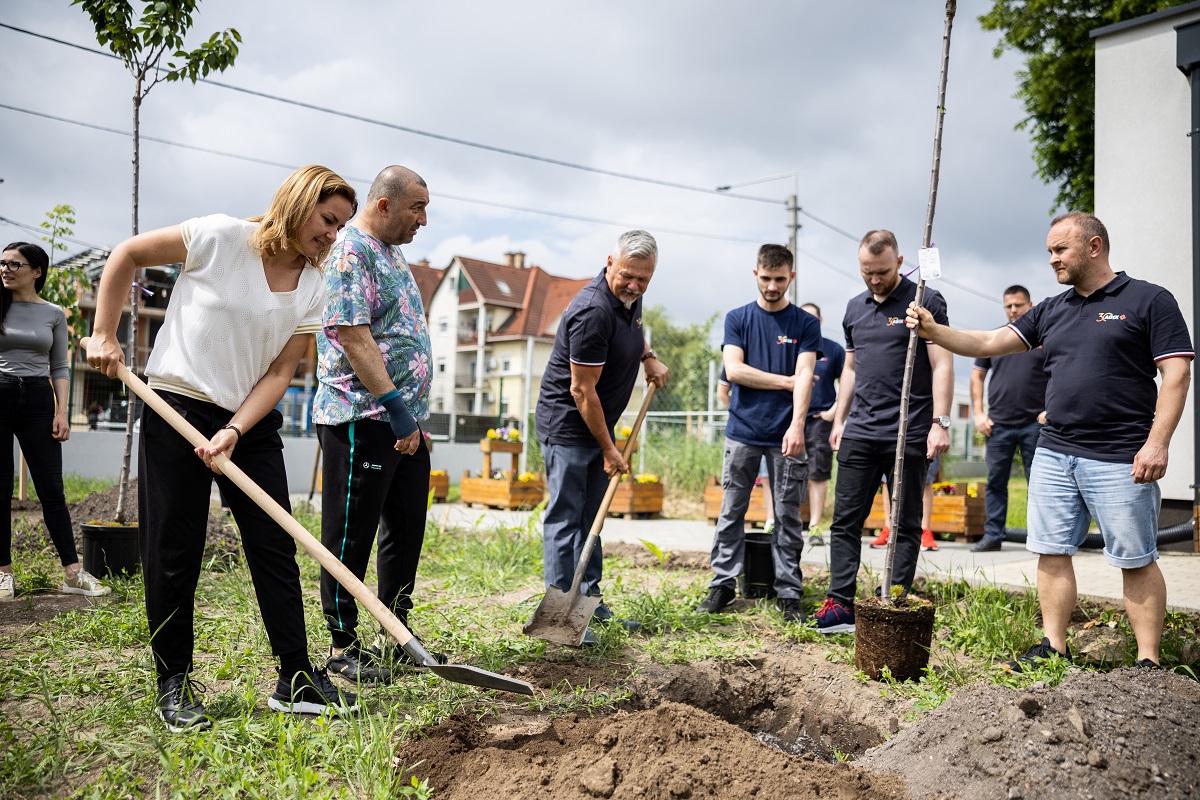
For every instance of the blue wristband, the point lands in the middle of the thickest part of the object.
(399, 417)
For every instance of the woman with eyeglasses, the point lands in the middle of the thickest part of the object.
(33, 407)
(247, 303)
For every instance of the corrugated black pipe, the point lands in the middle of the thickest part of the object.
(1182, 532)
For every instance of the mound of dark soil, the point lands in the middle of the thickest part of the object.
(670, 752)
(642, 557)
(1104, 736)
(29, 533)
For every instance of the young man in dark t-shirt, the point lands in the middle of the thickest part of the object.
(1108, 427)
(867, 421)
(769, 351)
(826, 374)
(587, 383)
(1013, 418)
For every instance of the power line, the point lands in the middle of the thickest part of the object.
(459, 198)
(39, 231)
(458, 141)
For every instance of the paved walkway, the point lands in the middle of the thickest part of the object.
(1012, 567)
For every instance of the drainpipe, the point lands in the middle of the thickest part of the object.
(1187, 38)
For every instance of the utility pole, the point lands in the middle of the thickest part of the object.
(793, 234)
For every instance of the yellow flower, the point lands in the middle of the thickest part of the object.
(514, 434)
(625, 431)
(491, 434)
(647, 477)
(526, 477)
(972, 491)
(437, 473)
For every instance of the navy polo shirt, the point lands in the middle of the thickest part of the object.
(1101, 356)
(771, 341)
(876, 334)
(1017, 388)
(596, 330)
(827, 372)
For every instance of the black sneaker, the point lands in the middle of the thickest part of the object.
(311, 693)
(1146, 663)
(604, 615)
(986, 545)
(1039, 652)
(396, 656)
(792, 612)
(358, 665)
(718, 598)
(178, 707)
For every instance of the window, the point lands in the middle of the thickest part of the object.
(503, 286)
(443, 325)
(506, 364)
(964, 411)
(441, 365)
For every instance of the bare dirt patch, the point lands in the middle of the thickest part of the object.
(1126, 733)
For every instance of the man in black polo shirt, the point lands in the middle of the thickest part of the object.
(1013, 417)
(867, 421)
(1104, 445)
(585, 387)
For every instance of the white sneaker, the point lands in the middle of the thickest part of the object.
(8, 587)
(86, 584)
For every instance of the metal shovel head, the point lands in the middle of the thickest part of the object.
(561, 621)
(460, 673)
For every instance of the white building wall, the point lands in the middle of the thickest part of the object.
(1143, 179)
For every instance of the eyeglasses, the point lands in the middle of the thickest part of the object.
(12, 266)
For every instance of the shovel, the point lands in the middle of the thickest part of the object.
(472, 676)
(563, 617)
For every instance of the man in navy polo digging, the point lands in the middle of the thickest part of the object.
(867, 421)
(586, 386)
(1104, 445)
(1013, 418)
(769, 352)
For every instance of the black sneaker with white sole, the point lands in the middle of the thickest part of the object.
(1039, 652)
(311, 693)
(177, 705)
(358, 665)
(718, 598)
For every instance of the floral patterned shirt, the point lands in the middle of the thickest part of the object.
(370, 283)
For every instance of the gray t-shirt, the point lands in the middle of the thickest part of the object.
(34, 342)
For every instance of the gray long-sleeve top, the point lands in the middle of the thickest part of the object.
(34, 342)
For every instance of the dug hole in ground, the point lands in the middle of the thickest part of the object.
(787, 719)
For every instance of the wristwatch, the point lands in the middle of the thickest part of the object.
(649, 354)
(943, 421)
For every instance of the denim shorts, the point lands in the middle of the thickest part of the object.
(1067, 492)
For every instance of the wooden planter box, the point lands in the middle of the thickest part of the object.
(440, 485)
(955, 513)
(756, 512)
(620, 443)
(501, 493)
(633, 499)
(500, 446)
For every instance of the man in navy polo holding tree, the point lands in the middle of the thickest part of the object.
(867, 421)
(1108, 427)
(587, 383)
(1012, 420)
(769, 352)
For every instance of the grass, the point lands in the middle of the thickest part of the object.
(75, 487)
(76, 718)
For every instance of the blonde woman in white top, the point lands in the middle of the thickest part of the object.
(241, 316)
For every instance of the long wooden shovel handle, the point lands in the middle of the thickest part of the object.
(598, 522)
(267, 503)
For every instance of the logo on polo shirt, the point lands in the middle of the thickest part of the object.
(783, 339)
(893, 321)
(1106, 316)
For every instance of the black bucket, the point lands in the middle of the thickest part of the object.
(110, 550)
(758, 570)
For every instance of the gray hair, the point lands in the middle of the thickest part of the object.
(636, 244)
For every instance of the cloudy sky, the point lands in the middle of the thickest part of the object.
(686, 91)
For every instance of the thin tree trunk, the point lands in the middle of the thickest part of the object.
(123, 480)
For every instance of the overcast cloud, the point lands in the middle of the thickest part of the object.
(691, 91)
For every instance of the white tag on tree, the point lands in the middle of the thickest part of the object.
(931, 263)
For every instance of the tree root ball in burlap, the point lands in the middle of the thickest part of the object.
(896, 636)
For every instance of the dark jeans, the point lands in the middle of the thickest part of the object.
(174, 488)
(576, 481)
(1002, 445)
(27, 412)
(861, 465)
(367, 485)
